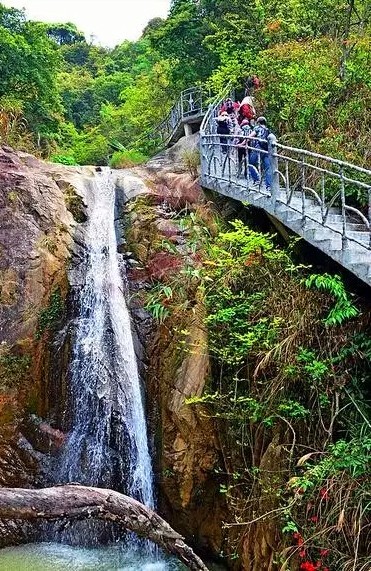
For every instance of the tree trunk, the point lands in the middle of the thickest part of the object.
(72, 502)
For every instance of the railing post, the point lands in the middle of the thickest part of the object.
(203, 155)
(323, 199)
(302, 182)
(369, 214)
(287, 182)
(247, 164)
(273, 161)
(343, 210)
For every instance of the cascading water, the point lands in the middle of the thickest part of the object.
(107, 444)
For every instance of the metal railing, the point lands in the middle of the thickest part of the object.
(192, 103)
(318, 187)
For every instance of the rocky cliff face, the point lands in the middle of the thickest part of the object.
(40, 205)
(41, 208)
(185, 438)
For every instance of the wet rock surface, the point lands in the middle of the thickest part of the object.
(39, 204)
(36, 237)
(41, 235)
(185, 439)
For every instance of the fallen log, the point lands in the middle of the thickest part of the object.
(73, 502)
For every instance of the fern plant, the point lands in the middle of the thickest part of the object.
(343, 308)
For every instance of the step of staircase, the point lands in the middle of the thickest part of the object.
(321, 227)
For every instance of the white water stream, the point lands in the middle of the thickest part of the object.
(107, 445)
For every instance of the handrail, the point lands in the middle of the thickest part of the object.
(297, 178)
(192, 103)
(213, 109)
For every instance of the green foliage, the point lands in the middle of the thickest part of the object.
(283, 382)
(156, 302)
(191, 160)
(50, 315)
(64, 160)
(13, 124)
(13, 368)
(179, 39)
(50, 244)
(292, 409)
(313, 369)
(28, 67)
(126, 159)
(64, 33)
(343, 309)
(91, 148)
(309, 104)
(348, 457)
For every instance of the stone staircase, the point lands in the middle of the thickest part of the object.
(309, 192)
(342, 233)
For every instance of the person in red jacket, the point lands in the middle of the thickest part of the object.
(230, 106)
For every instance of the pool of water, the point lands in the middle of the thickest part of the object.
(58, 557)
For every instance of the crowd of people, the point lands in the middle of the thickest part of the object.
(238, 127)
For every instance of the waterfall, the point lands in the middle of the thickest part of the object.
(107, 444)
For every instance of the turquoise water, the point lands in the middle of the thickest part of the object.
(58, 557)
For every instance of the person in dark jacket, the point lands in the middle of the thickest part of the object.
(243, 131)
(223, 128)
(260, 142)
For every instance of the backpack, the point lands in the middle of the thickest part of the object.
(262, 132)
(247, 111)
(222, 126)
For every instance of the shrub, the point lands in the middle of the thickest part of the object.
(13, 368)
(64, 160)
(91, 149)
(191, 160)
(74, 204)
(126, 159)
(50, 315)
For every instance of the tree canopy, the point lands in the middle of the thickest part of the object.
(59, 91)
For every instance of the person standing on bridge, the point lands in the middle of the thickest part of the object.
(259, 154)
(231, 107)
(247, 109)
(243, 133)
(224, 127)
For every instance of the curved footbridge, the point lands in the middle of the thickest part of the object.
(309, 193)
(185, 117)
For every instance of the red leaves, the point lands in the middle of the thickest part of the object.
(253, 259)
(308, 565)
(163, 265)
(314, 519)
(274, 26)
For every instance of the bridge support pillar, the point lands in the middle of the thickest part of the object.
(187, 129)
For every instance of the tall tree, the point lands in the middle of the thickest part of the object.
(64, 33)
(29, 62)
